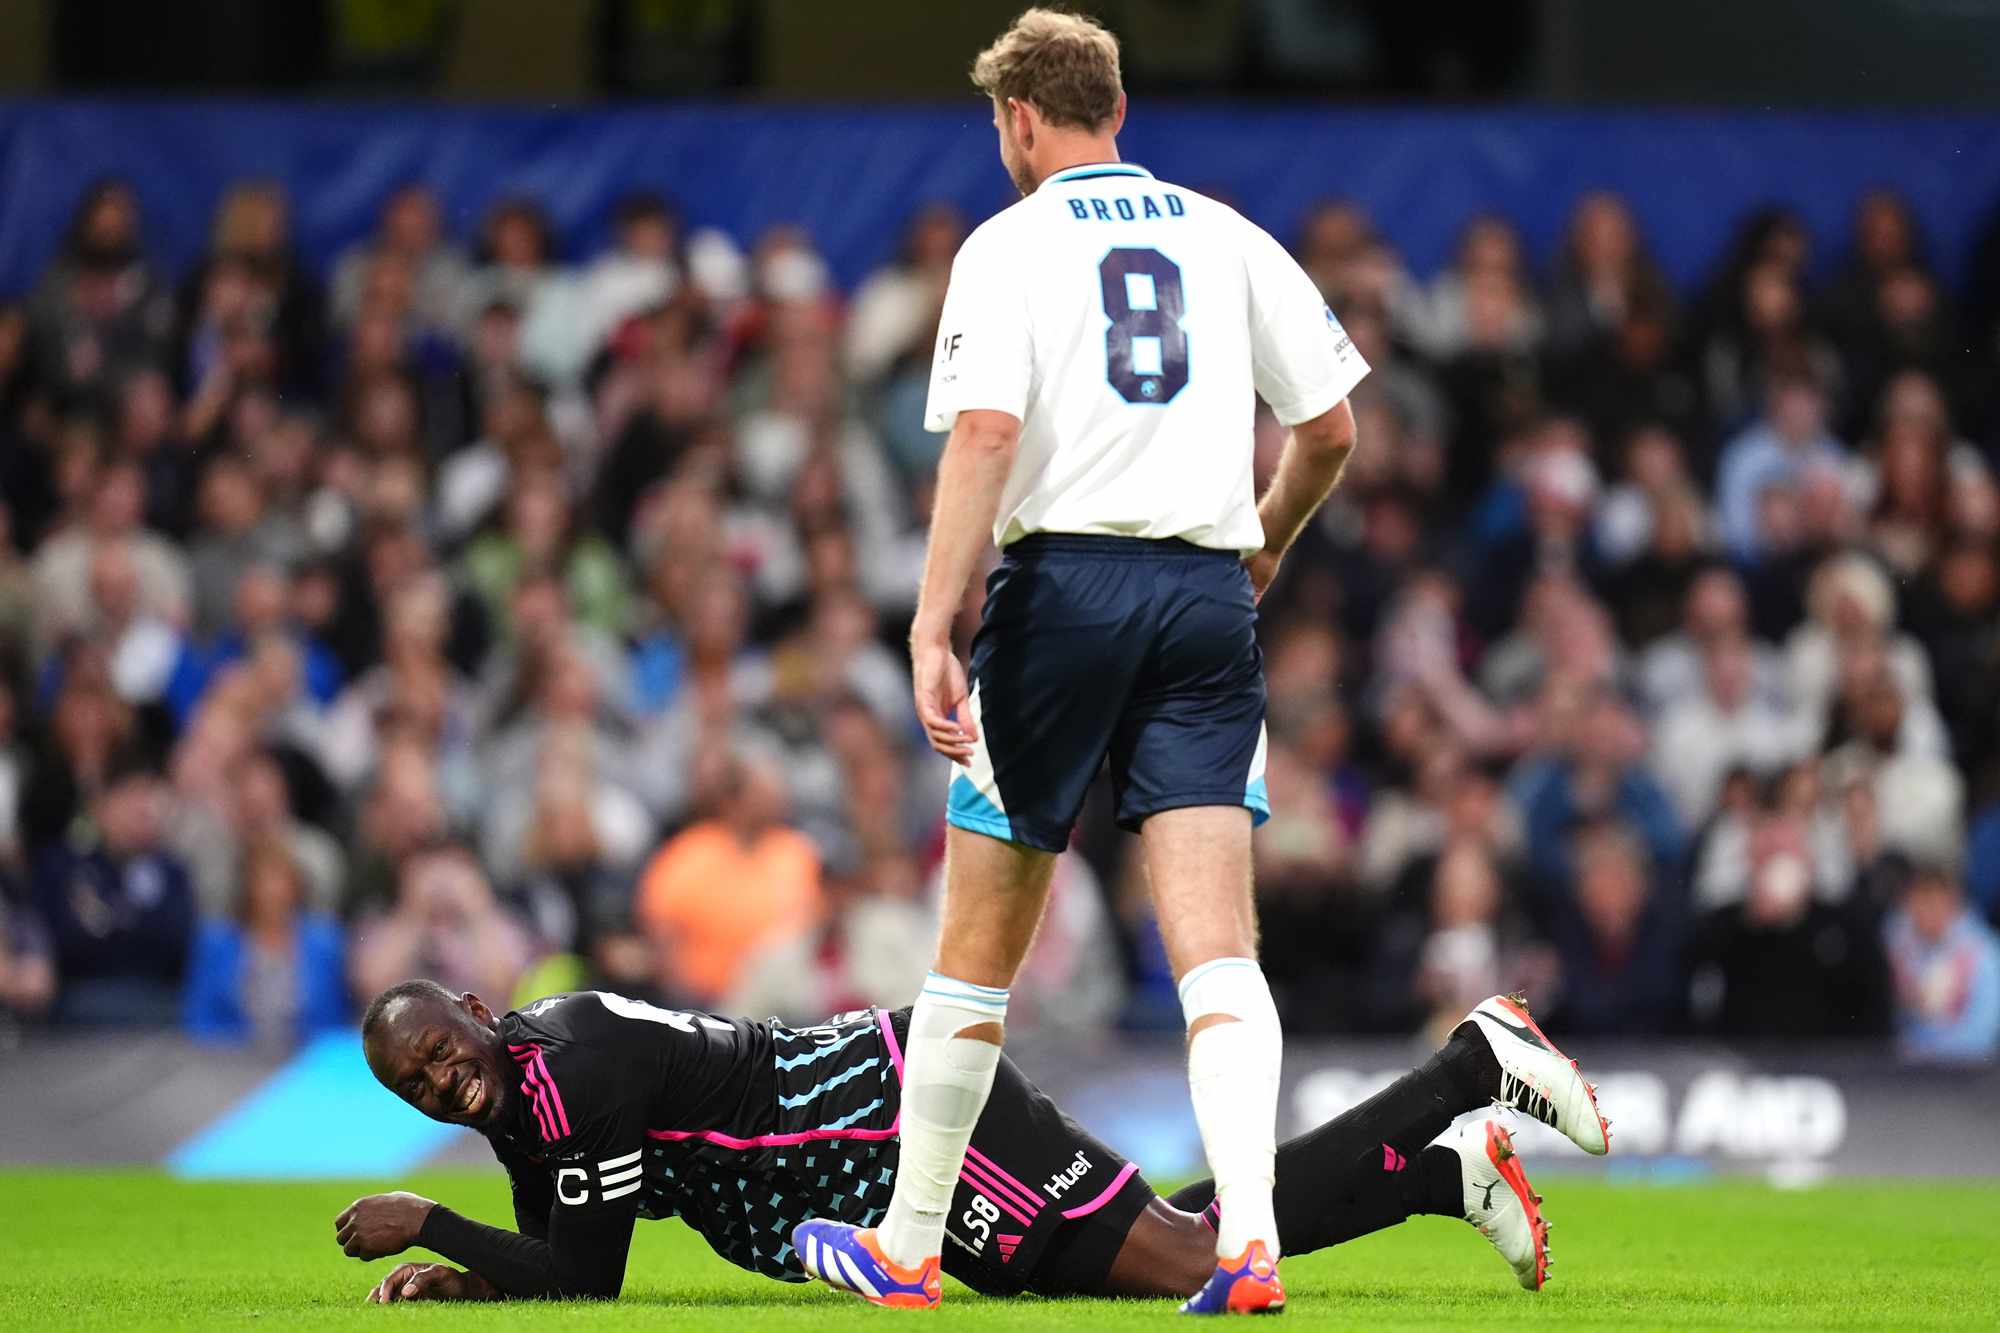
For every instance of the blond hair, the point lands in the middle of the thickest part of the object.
(1063, 65)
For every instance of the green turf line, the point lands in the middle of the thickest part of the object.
(135, 1251)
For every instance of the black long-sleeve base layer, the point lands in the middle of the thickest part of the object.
(593, 1254)
(1370, 1167)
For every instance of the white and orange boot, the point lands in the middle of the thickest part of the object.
(1499, 1201)
(1536, 1078)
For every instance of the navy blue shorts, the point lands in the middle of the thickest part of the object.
(1143, 653)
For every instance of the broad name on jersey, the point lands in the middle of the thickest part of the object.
(1123, 209)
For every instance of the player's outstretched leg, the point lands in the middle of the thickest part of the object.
(1499, 1202)
(851, 1258)
(1383, 1160)
(1473, 1173)
(1535, 1077)
(1375, 1164)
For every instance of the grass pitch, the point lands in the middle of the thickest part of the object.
(136, 1250)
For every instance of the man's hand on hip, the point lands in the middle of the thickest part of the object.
(943, 706)
(1263, 567)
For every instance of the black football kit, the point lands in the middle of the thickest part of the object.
(743, 1130)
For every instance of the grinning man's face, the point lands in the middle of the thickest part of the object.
(445, 1059)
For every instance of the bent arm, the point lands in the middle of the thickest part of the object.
(1315, 454)
(581, 1257)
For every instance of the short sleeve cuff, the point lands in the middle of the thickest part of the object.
(1329, 396)
(941, 419)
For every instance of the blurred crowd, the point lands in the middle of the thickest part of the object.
(528, 620)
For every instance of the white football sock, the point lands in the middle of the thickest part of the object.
(946, 1079)
(1233, 1077)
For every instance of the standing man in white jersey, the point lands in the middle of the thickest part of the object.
(1096, 362)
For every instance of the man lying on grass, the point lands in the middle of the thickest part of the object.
(604, 1110)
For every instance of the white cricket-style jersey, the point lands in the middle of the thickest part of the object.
(1126, 322)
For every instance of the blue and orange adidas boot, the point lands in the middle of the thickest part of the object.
(1249, 1285)
(848, 1258)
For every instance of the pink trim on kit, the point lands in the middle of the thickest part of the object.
(895, 1051)
(1110, 1191)
(1022, 1194)
(971, 1175)
(555, 1096)
(552, 1119)
(722, 1140)
(544, 1122)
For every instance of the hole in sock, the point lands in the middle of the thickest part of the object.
(1207, 1021)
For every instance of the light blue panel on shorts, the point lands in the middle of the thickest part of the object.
(1259, 801)
(968, 808)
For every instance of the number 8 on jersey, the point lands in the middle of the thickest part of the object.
(1145, 348)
